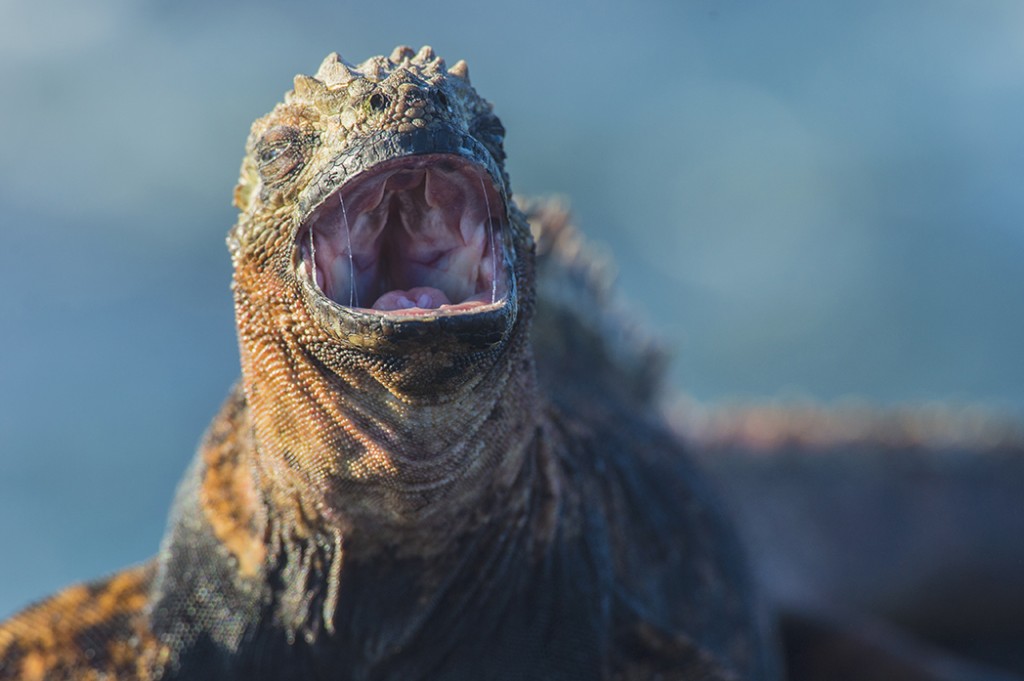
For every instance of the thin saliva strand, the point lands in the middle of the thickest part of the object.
(490, 238)
(506, 203)
(312, 258)
(353, 297)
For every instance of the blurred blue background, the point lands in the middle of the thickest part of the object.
(804, 198)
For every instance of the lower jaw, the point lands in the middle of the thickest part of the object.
(427, 299)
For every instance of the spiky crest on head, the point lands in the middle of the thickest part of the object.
(336, 72)
(343, 101)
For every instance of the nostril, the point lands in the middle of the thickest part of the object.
(377, 101)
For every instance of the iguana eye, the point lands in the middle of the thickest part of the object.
(279, 155)
(269, 154)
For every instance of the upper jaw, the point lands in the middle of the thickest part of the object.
(411, 246)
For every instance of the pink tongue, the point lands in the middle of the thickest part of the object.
(424, 297)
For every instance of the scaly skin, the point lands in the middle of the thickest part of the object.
(398, 497)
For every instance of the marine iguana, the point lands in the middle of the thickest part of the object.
(394, 491)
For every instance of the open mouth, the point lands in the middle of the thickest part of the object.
(418, 235)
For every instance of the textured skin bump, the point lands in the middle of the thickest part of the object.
(89, 632)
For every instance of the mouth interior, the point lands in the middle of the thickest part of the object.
(419, 234)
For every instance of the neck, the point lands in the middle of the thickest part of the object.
(314, 572)
(336, 439)
(351, 461)
(430, 484)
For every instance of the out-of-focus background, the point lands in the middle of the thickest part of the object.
(805, 199)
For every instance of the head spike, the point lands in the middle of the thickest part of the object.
(460, 69)
(307, 87)
(375, 68)
(402, 53)
(425, 55)
(334, 71)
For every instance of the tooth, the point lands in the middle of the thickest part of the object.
(366, 197)
(473, 231)
(429, 189)
(407, 217)
(366, 227)
(402, 180)
(440, 191)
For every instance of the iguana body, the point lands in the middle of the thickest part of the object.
(391, 493)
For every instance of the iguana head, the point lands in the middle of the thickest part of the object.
(377, 193)
(382, 280)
